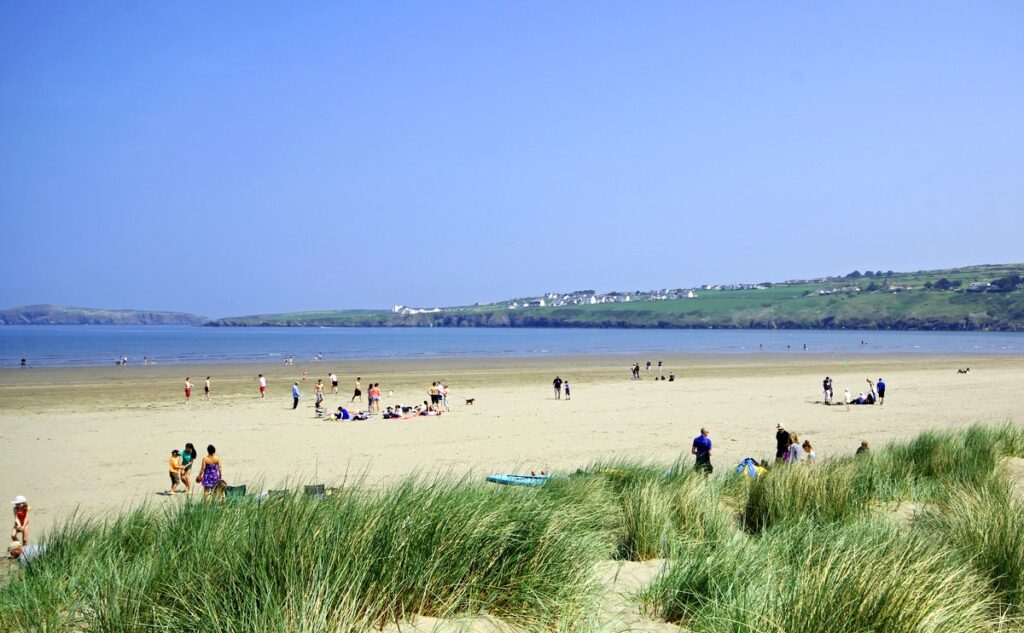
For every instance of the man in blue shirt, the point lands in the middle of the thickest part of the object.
(702, 451)
(880, 387)
(295, 395)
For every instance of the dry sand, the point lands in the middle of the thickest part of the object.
(97, 439)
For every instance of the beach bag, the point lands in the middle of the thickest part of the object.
(748, 467)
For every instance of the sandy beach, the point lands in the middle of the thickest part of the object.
(96, 439)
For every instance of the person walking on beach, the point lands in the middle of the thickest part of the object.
(445, 392)
(846, 399)
(21, 511)
(701, 450)
(568, 393)
(295, 396)
(880, 386)
(659, 369)
(188, 390)
(358, 393)
(188, 458)
(557, 382)
(334, 382)
(174, 468)
(263, 386)
(781, 442)
(211, 471)
(206, 390)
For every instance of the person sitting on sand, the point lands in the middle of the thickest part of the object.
(211, 472)
(390, 414)
(21, 511)
(863, 449)
(342, 414)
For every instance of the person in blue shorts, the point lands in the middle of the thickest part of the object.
(702, 451)
(880, 387)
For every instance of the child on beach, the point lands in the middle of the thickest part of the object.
(206, 390)
(174, 468)
(568, 394)
(21, 510)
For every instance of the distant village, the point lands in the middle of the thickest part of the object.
(589, 297)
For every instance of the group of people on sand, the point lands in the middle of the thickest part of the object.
(789, 450)
(634, 371)
(559, 385)
(210, 475)
(189, 387)
(875, 394)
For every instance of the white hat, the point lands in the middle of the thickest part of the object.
(19, 500)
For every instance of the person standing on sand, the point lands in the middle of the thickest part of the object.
(659, 369)
(846, 399)
(188, 390)
(318, 392)
(795, 452)
(21, 511)
(188, 458)
(444, 399)
(880, 386)
(701, 450)
(174, 468)
(211, 472)
(206, 390)
(557, 382)
(809, 452)
(295, 395)
(358, 393)
(781, 442)
(568, 393)
(334, 382)
(648, 367)
(827, 386)
(263, 386)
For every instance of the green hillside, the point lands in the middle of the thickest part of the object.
(67, 315)
(921, 300)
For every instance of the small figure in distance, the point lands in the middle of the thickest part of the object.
(263, 387)
(188, 390)
(557, 382)
(671, 376)
(827, 386)
(847, 398)
(24, 362)
(295, 396)
(701, 450)
(334, 382)
(568, 393)
(659, 368)
(863, 448)
(648, 366)
(207, 390)
(880, 386)
(358, 393)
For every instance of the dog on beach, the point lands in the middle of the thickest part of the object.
(470, 401)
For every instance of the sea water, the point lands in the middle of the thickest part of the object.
(83, 345)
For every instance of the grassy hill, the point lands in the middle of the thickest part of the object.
(66, 315)
(881, 302)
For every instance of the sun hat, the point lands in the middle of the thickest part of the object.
(19, 500)
(13, 546)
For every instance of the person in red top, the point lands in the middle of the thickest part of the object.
(21, 509)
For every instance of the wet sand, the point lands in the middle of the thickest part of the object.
(96, 439)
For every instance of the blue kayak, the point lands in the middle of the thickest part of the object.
(518, 480)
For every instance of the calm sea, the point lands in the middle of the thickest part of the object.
(58, 346)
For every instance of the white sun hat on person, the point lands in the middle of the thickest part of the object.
(19, 500)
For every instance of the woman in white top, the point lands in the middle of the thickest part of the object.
(808, 451)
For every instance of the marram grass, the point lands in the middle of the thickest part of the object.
(800, 549)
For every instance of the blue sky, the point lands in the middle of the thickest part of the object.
(234, 158)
